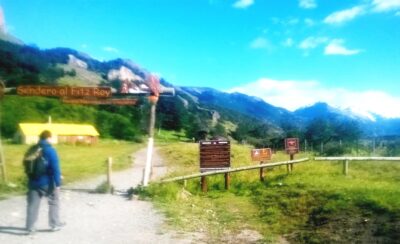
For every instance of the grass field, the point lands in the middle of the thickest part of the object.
(316, 203)
(77, 162)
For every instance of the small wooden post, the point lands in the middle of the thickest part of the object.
(184, 183)
(203, 184)
(3, 172)
(261, 172)
(109, 171)
(291, 165)
(345, 167)
(2, 159)
(227, 181)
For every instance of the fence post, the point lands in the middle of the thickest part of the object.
(345, 167)
(109, 172)
(2, 163)
(203, 184)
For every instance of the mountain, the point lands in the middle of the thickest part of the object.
(208, 107)
(254, 107)
(318, 110)
(247, 105)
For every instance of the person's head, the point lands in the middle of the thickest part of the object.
(45, 135)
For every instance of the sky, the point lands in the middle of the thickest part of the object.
(291, 53)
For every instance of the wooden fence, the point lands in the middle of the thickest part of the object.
(232, 170)
(346, 160)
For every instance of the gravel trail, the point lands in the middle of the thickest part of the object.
(96, 218)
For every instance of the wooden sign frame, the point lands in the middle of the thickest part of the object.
(215, 155)
(261, 154)
(292, 145)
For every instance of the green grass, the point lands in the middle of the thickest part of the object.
(316, 203)
(77, 162)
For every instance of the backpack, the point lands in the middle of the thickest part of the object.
(34, 162)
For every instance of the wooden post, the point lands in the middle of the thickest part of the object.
(148, 168)
(345, 167)
(109, 171)
(184, 183)
(203, 184)
(2, 160)
(227, 181)
(291, 165)
(261, 172)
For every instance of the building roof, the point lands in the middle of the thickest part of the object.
(34, 129)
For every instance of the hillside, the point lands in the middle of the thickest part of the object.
(197, 111)
(315, 203)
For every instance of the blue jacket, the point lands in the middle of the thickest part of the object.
(54, 176)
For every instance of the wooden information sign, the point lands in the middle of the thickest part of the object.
(215, 155)
(262, 154)
(292, 145)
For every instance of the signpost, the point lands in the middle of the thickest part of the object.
(106, 96)
(215, 155)
(292, 147)
(261, 155)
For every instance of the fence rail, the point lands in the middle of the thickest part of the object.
(347, 159)
(225, 171)
(357, 158)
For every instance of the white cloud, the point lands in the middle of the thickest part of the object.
(2, 21)
(344, 15)
(288, 42)
(261, 43)
(385, 5)
(293, 21)
(285, 21)
(309, 22)
(292, 94)
(243, 3)
(312, 42)
(111, 49)
(335, 47)
(307, 4)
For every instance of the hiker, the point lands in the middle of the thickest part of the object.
(46, 184)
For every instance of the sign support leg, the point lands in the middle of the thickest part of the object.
(227, 181)
(203, 184)
(291, 165)
(261, 172)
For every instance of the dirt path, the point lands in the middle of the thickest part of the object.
(95, 218)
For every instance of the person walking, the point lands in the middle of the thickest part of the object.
(45, 185)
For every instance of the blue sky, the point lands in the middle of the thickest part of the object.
(291, 53)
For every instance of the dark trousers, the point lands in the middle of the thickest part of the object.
(34, 197)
